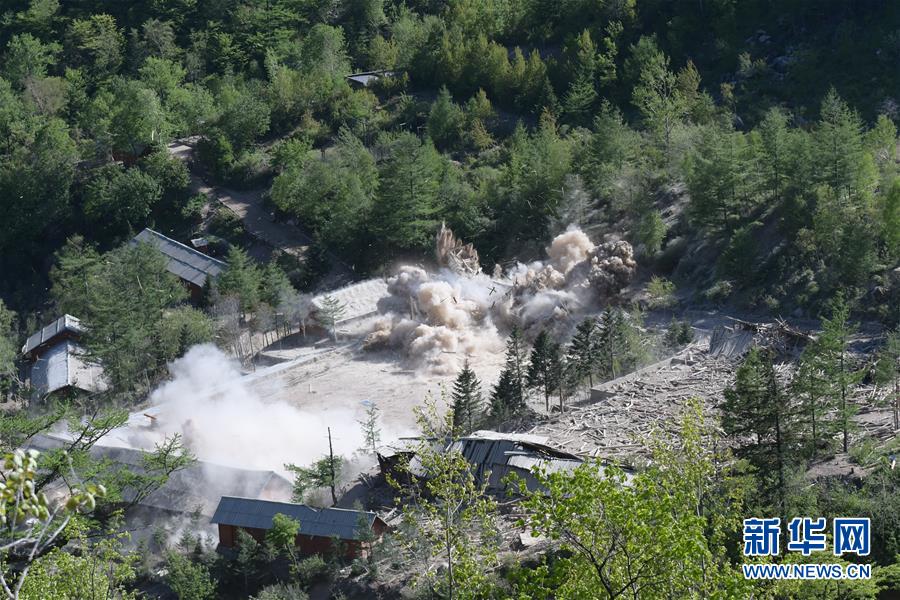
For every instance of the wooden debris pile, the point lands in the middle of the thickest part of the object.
(620, 426)
(451, 253)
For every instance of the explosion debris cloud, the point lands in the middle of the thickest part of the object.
(439, 318)
(222, 420)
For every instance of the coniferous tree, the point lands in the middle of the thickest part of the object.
(758, 412)
(810, 389)
(582, 355)
(618, 343)
(466, 399)
(544, 368)
(887, 372)
(835, 365)
(370, 430)
(508, 395)
(241, 279)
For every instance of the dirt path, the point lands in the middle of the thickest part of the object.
(258, 221)
(247, 205)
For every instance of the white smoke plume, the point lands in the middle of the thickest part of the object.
(440, 318)
(222, 420)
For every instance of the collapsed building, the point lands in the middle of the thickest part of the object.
(493, 457)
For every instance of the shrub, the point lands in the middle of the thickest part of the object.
(661, 292)
(313, 569)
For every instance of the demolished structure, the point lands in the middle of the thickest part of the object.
(440, 318)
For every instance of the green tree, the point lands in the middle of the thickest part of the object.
(137, 118)
(532, 181)
(332, 195)
(325, 472)
(842, 158)
(890, 222)
(31, 525)
(370, 429)
(405, 212)
(182, 328)
(774, 153)
(544, 366)
(658, 97)
(283, 535)
(887, 372)
(120, 200)
(836, 365)
(329, 312)
(8, 348)
(656, 536)
(455, 521)
(618, 343)
(122, 299)
(241, 278)
(717, 177)
(189, 580)
(582, 355)
(97, 44)
(757, 410)
(27, 59)
(508, 395)
(37, 180)
(466, 397)
(445, 121)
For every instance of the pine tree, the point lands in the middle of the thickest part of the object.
(618, 343)
(466, 399)
(758, 412)
(505, 397)
(887, 372)
(508, 395)
(810, 389)
(582, 355)
(370, 430)
(545, 366)
(330, 311)
(836, 369)
(241, 278)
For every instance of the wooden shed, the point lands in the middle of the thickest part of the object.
(320, 528)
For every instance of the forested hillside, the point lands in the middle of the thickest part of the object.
(759, 133)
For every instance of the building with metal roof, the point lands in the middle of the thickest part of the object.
(191, 266)
(66, 326)
(369, 78)
(56, 361)
(319, 527)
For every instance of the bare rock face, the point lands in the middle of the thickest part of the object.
(454, 255)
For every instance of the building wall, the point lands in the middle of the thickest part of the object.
(307, 545)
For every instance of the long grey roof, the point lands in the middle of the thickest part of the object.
(59, 326)
(184, 262)
(320, 522)
(196, 488)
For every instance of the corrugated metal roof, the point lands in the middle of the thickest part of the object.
(196, 488)
(184, 262)
(320, 522)
(62, 366)
(59, 326)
